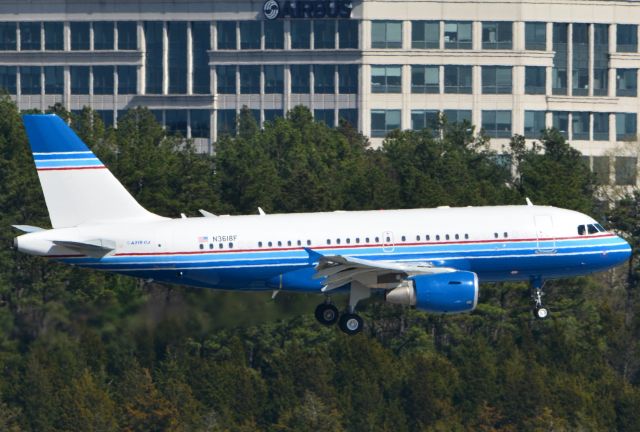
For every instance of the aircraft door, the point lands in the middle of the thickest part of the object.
(546, 241)
(388, 243)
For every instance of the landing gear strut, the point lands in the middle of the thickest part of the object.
(541, 312)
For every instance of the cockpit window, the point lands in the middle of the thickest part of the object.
(592, 229)
(600, 228)
(581, 230)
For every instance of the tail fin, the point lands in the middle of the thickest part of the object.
(78, 188)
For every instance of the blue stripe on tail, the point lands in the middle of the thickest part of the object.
(50, 134)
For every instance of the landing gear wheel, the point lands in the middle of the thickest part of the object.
(326, 314)
(542, 313)
(351, 323)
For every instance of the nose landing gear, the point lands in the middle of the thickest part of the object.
(541, 312)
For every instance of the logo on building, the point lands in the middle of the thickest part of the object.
(271, 9)
(307, 9)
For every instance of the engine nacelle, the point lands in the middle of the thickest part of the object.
(442, 293)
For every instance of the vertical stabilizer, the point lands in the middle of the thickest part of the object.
(77, 187)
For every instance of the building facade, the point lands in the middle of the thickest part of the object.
(509, 67)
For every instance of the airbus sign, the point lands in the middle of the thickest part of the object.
(307, 9)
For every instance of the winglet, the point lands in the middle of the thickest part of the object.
(529, 203)
(27, 228)
(206, 213)
(261, 212)
(313, 255)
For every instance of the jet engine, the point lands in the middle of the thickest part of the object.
(442, 293)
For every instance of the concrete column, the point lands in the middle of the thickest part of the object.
(18, 37)
(286, 98)
(519, 36)
(165, 59)
(441, 37)
(42, 41)
(570, 60)
(549, 36)
(287, 35)
(142, 69)
(189, 59)
(406, 35)
(116, 36)
(612, 128)
(91, 39)
(66, 36)
(213, 29)
(405, 115)
(476, 32)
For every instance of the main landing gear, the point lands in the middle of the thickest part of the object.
(349, 322)
(541, 312)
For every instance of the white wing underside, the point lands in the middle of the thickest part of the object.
(341, 270)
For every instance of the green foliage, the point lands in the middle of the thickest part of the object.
(82, 350)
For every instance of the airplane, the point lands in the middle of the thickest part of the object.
(433, 259)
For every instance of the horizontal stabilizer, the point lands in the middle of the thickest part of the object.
(27, 228)
(93, 248)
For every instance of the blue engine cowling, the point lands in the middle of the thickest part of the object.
(442, 293)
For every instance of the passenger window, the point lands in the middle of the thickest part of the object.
(418, 238)
(348, 241)
(210, 245)
(404, 238)
(581, 230)
(427, 237)
(337, 241)
(388, 239)
(201, 246)
(495, 235)
(279, 243)
(230, 245)
(328, 241)
(505, 235)
(466, 236)
(446, 236)
(438, 237)
(457, 237)
(220, 246)
(308, 242)
(377, 239)
(592, 229)
(299, 243)
(259, 244)
(270, 244)
(357, 239)
(289, 243)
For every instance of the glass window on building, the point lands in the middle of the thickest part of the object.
(103, 80)
(106, 116)
(250, 35)
(601, 126)
(457, 116)
(560, 121)
(627, 38)
(273, 79)
(201, 40)
(53, 80)
(560, 58)
(80, 35)
(497, 35)
(153, 32)
(226, 32)
(226, 78)
(300, 82)
(386, 79)
(175, 121)
(580, 72)
(226, 120)
(30, 80)
(8, 79)
(200, 120)
(602, 169)
(103, 35)
(30, 36)
(627, 82)
(601, 60)
(53, 36)
(425, 79)
(535, 80)
(496, 79)
(496, 123)
(8, 35)
(534, 124)
(159, 116)
(535, 36)
(457, 79)
(324, 34)
(383, 122)
(326, 116)
(386, 34)
(425, 119)
(127, 80)
(127, 35)
(270, 115)
(249, 79)
(177, 36)
(626, 126)
(626, 170)
(457, 35)
(79, 80)
(580, 126)
(425, 34)
(300, 34)
(324, 79)
(348, 34)
(274, 34)
(348, 79)
(348, 116)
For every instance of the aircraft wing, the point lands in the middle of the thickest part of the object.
(340, 270)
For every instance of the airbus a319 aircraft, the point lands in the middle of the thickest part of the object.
(433, 259)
